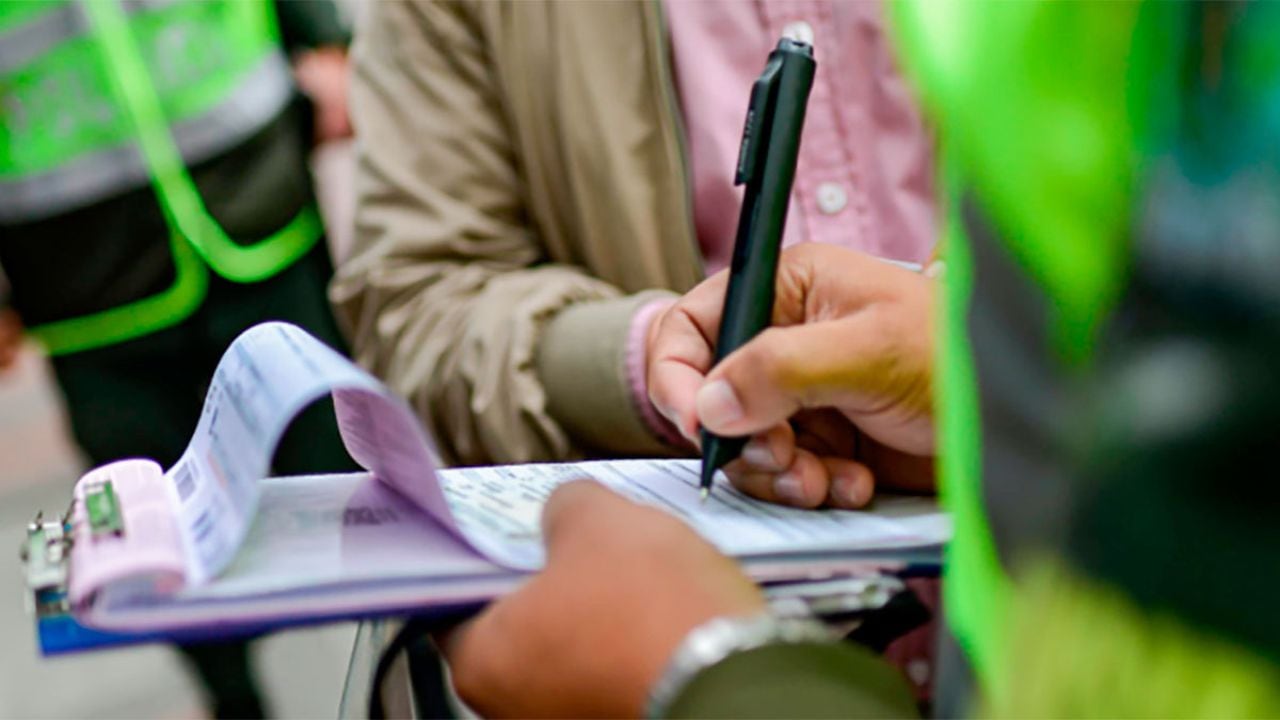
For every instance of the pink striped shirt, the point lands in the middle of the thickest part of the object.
(864, 179)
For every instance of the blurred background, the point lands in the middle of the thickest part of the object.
(302, 671)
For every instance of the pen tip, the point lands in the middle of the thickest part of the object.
(703, 493)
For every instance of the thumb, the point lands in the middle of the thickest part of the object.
(782, 370)
(573, 508)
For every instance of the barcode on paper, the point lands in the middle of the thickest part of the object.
(185, 480)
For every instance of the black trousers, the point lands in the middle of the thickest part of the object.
(142, 398)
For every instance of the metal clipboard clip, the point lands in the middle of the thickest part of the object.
(45, 553)
(46, 550)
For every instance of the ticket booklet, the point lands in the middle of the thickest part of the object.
(214, 547)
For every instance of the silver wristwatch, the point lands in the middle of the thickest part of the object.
(718, 638)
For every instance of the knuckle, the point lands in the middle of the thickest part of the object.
(803, 251)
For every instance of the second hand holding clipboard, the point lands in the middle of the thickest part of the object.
(767, 165)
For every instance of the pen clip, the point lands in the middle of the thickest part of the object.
(763, 92)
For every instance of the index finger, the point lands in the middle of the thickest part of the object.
(683, 351)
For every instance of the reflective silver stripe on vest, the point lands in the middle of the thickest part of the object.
(259, 98)
(25, 43)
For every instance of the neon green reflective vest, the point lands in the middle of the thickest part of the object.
(1049, 113)
(1041, 127)
(98, 97)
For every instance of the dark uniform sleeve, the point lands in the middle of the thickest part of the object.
(810, 680)
(308, 24)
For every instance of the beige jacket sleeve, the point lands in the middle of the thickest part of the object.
(448, 294)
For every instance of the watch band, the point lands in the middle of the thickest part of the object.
(720, 637)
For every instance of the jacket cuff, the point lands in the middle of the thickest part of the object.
(810, 680)
(637, 367)
(581, 361)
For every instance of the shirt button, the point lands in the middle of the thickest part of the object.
(800, 31)
(918, 671)
(831, 198)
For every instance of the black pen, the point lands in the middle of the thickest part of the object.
(767, 165)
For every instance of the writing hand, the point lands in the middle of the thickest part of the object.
(837, 394)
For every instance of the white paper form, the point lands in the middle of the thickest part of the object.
(269, 374)
(313, 531)
(499, 509)
(329, 545)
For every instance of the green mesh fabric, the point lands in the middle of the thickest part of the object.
(1081, 649)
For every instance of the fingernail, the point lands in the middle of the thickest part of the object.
(718, 404)
(851, 492)
(788, 487)
(758, 453)
(666, 413)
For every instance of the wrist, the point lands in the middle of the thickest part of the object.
(639, 340)
(721, 637)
